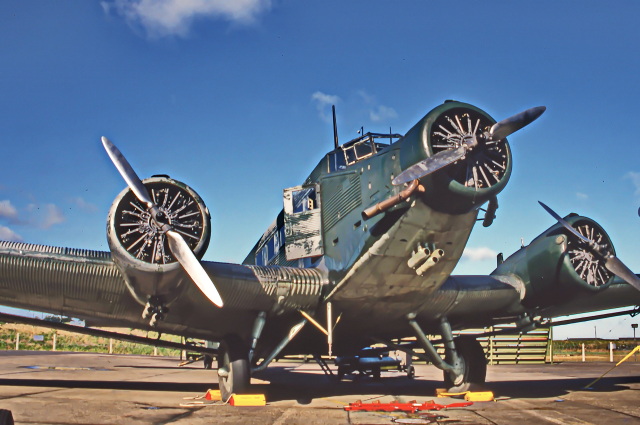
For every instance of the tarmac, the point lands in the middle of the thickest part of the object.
(88, 388)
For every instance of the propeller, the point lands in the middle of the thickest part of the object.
(611, 262)
(178, 246)
(497, 132)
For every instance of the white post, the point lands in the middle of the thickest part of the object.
(155, 351)
(110, 345)
(17, 341)
(491, 347)
(584, 357)
(55, 334)
(611, 352)
(329, 329)
(551, 344)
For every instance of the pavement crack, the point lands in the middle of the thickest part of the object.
(186, 414)
(31, 394)
(483, 417)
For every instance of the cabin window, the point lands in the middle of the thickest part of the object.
(271, 248)
(304, 200)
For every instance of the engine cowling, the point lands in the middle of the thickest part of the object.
(140, 248)
(474, 179)
(557, 266)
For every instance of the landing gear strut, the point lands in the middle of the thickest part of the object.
(464, 363)
(233, 367)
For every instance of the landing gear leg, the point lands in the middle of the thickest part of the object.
(233, 367)
(464, 363)
(474, 365)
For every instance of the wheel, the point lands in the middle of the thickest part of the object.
(474, 365)
(411, 372)
(233, 367)
(6, 417)
(208, 361)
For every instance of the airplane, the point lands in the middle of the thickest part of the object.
(361, 253)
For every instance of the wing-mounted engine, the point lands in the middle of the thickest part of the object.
(558, 265)
(140, 246)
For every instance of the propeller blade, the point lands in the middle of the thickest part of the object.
(565, 224)
(617, 267)
(510, 125)
(430, 165)
(192, 266)
(127, 173)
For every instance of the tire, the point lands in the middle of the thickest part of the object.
(475, 365)
(411, 372)
(6, 417)
(234, 374)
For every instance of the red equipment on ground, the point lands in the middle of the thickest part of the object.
(395, 406)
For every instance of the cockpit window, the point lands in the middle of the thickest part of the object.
(357, 150)
(336, 161)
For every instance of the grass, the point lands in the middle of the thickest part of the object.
(69, 341)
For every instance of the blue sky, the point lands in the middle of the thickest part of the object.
(233, 98)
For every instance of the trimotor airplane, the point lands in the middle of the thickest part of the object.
(361, 253)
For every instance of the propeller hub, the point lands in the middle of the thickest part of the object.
(469, 141)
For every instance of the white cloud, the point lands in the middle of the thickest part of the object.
(53, 215)
(479, 254)
(382, 113)
(377, 112)
(635, 180)
(161, 18)
(84, 205)
(367, 98)
(7, 234)
(323, 101)
(582, 196)
(45, 216)
(8, 211)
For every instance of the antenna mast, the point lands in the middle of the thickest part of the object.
(335, 127)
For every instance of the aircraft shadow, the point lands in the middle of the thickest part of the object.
(288, 385)
(285, 383)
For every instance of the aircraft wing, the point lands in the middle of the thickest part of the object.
(88, 285)
(72, 282)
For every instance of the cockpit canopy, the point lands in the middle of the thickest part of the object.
(358, 149)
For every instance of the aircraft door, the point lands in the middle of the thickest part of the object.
(302, 222)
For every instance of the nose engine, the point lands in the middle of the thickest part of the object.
(456, 157)
(486, 163)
